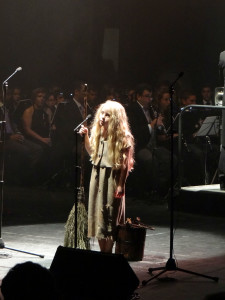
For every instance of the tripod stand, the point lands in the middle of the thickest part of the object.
(171, 263)
(2, 148)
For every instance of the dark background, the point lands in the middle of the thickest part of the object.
(58, 41)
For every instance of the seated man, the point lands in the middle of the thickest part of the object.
(152, 169)
(199, 161)
(68, 115)
(206, 95)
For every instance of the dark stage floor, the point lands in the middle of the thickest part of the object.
(34, 221)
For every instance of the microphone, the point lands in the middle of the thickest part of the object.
(5, 81)
(18, 69)
(88, 117)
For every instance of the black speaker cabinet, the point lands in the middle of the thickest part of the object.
(84, 274)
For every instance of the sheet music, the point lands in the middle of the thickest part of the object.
(210, 126)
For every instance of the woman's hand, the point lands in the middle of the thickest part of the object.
(119, 193)
(17, 137)
(83, 130)
(47, 141)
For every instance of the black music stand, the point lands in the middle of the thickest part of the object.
(171, 262)
(210, 127)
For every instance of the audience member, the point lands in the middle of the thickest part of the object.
(150, 159)
(21, 156)
(28, 281)
(92, 98)
(60, 98)
(68, 115)
(161, 106)
(50, 106)
(35, 125)
(193, 155)
(35, 120)
(131, 95)
(206, 95)
(36, 128)
(128, 96)
(13, 101)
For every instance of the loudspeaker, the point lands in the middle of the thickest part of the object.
(85, 274)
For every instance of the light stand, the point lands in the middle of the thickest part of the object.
(2, 152)
(171, 263)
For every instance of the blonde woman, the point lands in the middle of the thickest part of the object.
(110, 147)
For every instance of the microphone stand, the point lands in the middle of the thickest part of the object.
(171, 263)
(76, 179)
(2, 153)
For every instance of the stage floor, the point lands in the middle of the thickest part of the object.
(34, 222)
(200, 248)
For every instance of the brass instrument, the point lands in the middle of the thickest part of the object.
(155, 115)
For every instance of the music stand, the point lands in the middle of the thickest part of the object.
(210, 126)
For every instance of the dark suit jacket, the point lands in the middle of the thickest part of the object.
(67, 117)
(139, 126)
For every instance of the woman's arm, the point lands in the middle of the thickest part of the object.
(84, 131)
(123, 176)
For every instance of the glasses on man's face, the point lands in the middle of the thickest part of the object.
(147, 96)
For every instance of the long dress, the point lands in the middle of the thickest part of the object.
(105, 212)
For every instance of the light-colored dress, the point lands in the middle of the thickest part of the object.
(105, 211)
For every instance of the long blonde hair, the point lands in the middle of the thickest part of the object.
(119, 136)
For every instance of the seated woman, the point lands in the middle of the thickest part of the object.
(35, 120)
(36, 128)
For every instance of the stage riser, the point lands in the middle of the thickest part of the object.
(201, 202)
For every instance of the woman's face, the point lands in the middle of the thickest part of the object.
(39, 100)
(51, 101)
(104, 118)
